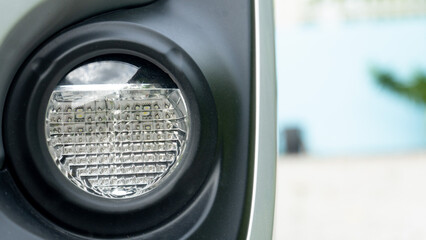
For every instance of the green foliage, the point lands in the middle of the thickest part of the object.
(415, 89)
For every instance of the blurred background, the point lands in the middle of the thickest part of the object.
(351, 119)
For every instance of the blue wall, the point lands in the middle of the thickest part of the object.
(325, 86)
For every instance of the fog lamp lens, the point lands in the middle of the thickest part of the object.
(115, 131)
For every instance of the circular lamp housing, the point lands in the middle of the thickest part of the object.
(83, 139)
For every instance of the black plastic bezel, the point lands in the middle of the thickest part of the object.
(36, 172)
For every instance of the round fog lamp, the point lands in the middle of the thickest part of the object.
(115, 129)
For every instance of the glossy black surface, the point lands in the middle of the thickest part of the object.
(217, 35)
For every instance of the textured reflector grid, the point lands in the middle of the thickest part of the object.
(116, 140)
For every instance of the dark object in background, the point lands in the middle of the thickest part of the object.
(293, 140)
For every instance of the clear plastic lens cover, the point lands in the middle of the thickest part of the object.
(115, 131)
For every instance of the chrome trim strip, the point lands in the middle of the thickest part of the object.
(263, 192)
(256, 134)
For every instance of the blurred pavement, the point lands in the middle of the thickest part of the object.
(378, 198)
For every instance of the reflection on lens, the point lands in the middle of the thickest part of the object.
(113, 132)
